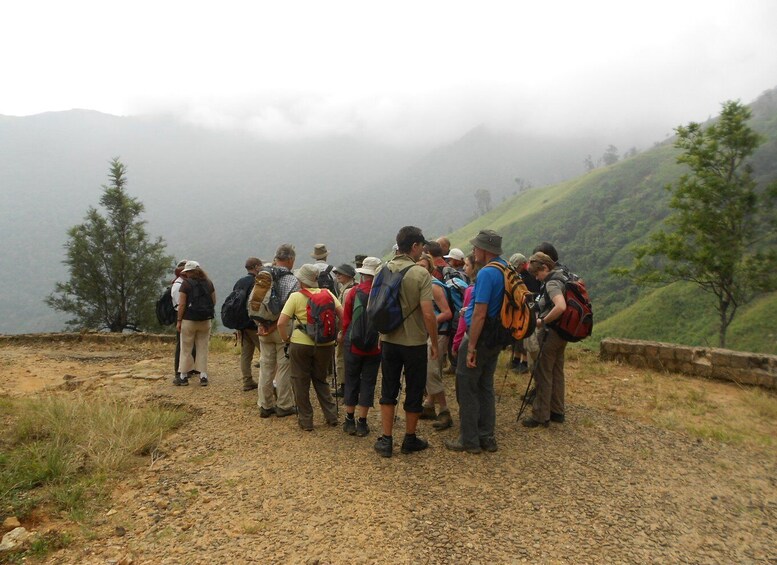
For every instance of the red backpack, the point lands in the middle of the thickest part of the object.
(577, 321)
(322, 317)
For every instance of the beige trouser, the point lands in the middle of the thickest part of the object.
(549, 376)
(197, 335)
(340, 364)
(274, 365)
(249, 342)
(434, 367)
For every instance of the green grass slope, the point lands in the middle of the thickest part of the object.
(595, 220)
(679, 313)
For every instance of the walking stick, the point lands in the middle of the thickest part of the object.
(334, 373)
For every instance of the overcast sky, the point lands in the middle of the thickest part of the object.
(420, 71)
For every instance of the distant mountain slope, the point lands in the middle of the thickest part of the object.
(220, 197)
(594, 220)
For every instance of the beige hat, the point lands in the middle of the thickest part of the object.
(455, 253)
(369, 266)
(517, 259)
(190, 266)
(319, 251)
(308, 275)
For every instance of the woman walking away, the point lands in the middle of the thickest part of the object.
(197, 298)
(361, 344)
(312, 344)
(549, 373)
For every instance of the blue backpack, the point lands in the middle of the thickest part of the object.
(383, 307)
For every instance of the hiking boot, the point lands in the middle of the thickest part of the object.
(532, 423)
(456, 445)
(340, 392)
(181, 380)
(428, 413)
(349, 426)
(413, 443)
(306, 427)
(362, 428)
(266, 412)
(252, 385)
(444, 421)
(488, 444)
(283, 412)
(556, 417)
(203, 380)
(333, 423)
(384, 446)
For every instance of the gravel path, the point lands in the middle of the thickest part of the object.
(233, 488)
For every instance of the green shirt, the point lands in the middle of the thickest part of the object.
(416, 288)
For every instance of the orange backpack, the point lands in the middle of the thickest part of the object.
(517, 316)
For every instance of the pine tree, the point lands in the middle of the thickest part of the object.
(115, 269)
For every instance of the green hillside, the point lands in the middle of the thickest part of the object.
(594, 221)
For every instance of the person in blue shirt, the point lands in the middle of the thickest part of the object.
(475, 376)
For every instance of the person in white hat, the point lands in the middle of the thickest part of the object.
(361, 365)
(455, 261)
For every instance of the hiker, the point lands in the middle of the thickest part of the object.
(361, 365)
(435, 389)
(405, 347)
(175, 288)
(196, 308)
(435, 250)
(345, 275)
(326, 278)
(445, 245)
(519, 362)
(471, 270)
(548, 402)
(273, 362)
(455, 258)
(309, 360)
(475, 372)
(249, 338)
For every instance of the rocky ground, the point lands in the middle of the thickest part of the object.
(233, 488)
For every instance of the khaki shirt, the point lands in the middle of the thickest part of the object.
(416, 288)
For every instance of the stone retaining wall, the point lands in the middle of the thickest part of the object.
(747, 368)
(96, 337)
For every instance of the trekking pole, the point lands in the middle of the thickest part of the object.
(334, 373)
(524, 400)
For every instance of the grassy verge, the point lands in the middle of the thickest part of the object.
(58, 453)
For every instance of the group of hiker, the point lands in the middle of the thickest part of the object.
(428, 311)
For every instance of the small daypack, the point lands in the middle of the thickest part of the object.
(199, 305)
(361, 333)
(234, 311)
(265, 301)
(321, 326)
(383, 308)
(165, 311)
(325, 279)
(445, 326)
(577, 321)
(516, 317)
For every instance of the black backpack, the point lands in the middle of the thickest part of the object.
(199, 305)
(361, 333)
(325, 280)
(165, 311)
(234, 312)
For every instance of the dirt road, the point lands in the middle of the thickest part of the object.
(233, 488)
